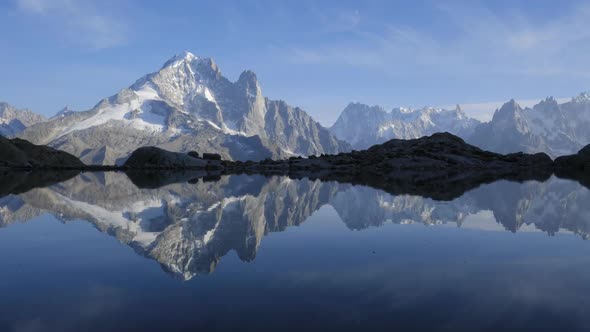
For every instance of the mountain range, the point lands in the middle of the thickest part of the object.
(189, 105)
(550, 127)
(364, 126)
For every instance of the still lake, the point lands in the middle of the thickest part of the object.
(255, 253)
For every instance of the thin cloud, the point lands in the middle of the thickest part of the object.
(81, 22)
(486, 41)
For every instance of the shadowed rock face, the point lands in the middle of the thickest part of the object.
(578, 162)
(18, 153)
(576, 166)
(188, 224)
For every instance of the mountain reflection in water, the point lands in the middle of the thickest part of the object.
(189, 226)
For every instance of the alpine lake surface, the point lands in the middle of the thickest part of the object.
(97, 252)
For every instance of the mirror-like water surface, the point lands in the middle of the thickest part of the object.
(97, 253)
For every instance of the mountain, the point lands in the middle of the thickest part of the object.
(550, 127)
(187, 105)
(363, 126)
(13, 121)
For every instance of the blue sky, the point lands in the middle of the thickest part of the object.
(319, 55)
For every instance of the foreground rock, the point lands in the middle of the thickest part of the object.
(439, 152)
(440, 166)
(155, 158)
(575, 167)
(576, 162)
(18, 153)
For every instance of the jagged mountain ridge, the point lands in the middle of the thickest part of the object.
(550, 127)
(13, 121)
(364, 126)
(188, 105)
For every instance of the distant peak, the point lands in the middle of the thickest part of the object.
(548, 101)
(184, 57)
(355, 107)
(583, 97)
(64, 111)
(510, 104)
(403, 110)
(248, 76)
(354, 104)
(459, 110)
(509, 110)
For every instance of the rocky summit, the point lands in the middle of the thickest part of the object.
(13, 121)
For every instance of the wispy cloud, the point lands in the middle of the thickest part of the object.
(484, 40)
(80, 22)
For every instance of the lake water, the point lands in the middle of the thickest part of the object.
(254, 253)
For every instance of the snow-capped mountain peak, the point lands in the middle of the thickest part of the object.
(549, 127)
(13, 121)
(583, 97)
(179, 59)
(363, 126)
(188, 105)
(64, 112)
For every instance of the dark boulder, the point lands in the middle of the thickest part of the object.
(575, 162)
(153, 157)
(211, 156)
(18, 153)
(193, 154)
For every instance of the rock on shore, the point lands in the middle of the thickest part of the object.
(18, 153)
(151, 157)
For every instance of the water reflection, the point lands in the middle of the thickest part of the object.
(188, 223)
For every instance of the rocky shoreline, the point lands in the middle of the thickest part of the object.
(441, 163)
